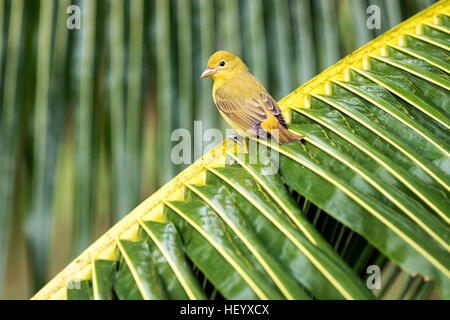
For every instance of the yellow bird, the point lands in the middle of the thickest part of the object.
(244, 102)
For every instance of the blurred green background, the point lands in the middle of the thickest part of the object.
(86, 115)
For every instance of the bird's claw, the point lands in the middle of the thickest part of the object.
(234, 137)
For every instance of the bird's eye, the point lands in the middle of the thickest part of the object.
(222, 63)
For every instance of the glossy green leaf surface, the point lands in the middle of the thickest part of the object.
(393, 234)
(103, 272)
(220, 199)
(204, 234)
(401, 167)
(170, 261)
(426, 51)
(316, 270)
(380, 187)
(124, 285)
(136, 255)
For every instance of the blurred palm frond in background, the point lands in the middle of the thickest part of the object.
(86, 114)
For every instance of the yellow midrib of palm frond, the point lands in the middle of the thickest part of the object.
(151, 208)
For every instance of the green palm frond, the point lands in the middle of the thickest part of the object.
(368, 186)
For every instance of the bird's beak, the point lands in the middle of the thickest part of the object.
(207, 72)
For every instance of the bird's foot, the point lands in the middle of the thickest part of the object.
(235, 138)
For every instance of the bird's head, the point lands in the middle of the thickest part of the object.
(222, 65)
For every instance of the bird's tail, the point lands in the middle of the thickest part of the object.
(286, 136)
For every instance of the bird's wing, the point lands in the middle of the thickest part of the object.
(244, 113)
(249, 113)
(273, 107)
